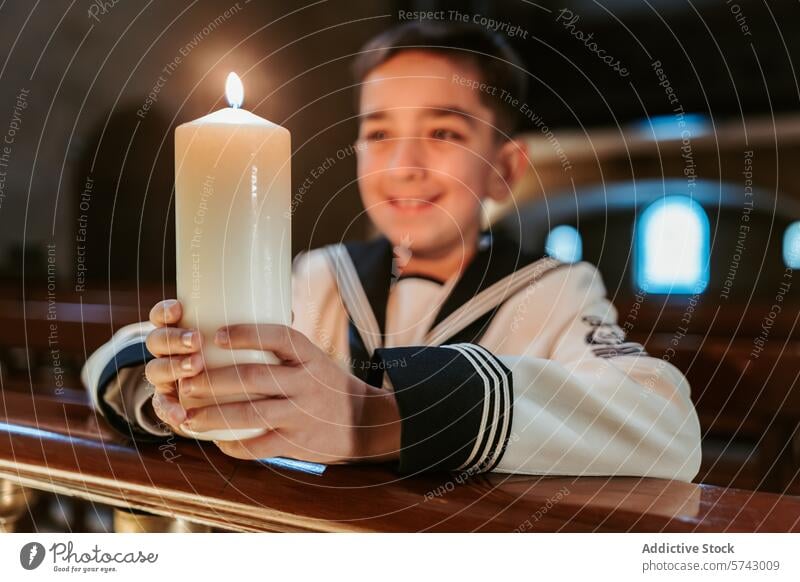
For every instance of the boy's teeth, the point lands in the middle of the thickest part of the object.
(404, 202)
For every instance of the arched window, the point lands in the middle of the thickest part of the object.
(672, 247)
(791, 246)
(564, 243)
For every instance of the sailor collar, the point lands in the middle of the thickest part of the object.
(364, 273)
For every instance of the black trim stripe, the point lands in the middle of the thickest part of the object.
(494, 432)
(132, 355)
(495, 429)
(489, 407)
(354, 296)
(506, 416)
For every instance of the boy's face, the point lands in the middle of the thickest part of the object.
(429, 154)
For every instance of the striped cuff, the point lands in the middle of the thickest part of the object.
(455, 406)
(131, 355)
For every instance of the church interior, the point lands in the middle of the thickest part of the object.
(677, 118)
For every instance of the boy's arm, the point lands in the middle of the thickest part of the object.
(596, 406)
(114, 377)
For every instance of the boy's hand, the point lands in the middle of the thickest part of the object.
(178, 356)
(314, 410)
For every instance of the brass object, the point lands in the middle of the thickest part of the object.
(135, 521)
(14, 502)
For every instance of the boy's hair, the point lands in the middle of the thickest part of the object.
(496, 62)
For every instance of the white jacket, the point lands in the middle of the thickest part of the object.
(516, 366)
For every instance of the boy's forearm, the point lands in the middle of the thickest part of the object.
(380, 427)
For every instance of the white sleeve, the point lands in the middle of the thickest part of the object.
(114, 377)
(599, 405)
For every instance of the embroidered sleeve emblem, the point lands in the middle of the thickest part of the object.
(608, 339)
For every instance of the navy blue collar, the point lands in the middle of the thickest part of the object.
(497, 257)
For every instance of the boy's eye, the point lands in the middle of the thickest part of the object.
(446, 134)
(376, 135)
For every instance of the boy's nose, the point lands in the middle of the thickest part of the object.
(405, 162)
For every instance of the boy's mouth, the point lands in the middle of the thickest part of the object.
(413, 204)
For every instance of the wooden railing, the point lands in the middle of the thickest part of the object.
(59, 444)
(51, 440)
(749, 413)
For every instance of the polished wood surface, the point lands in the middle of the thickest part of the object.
(59, 444)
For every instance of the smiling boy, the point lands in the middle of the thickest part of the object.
(436, 345)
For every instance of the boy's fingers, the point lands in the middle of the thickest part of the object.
(213, 400)
(167, 312)
(242, 382)
(168, 409)
(286, 343)
(169, 370)
(167, 341)
(270, 413)
(166, 389)
(271, 444)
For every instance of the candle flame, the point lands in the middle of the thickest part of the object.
(234, 90)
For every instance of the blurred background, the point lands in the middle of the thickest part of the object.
(687, 122)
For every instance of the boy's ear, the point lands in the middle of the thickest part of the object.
(510, 164)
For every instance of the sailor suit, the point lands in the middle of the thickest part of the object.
(515, 365)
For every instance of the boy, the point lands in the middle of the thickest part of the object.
(436, 346)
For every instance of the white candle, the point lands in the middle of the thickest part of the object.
(232, 202)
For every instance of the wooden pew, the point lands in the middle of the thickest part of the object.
(58, 444)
